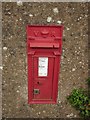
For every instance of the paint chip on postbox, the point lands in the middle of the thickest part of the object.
(43, 66)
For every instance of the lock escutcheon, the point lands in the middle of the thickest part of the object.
(36, 91)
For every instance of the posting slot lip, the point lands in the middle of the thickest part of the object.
(44, 45)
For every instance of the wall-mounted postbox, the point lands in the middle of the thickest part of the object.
(44, 45)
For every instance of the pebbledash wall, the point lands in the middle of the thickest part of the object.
(74, 59)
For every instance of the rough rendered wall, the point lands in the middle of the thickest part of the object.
(74, 60)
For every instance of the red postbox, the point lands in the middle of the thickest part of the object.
(44, 45)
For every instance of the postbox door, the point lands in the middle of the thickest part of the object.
(43, 77)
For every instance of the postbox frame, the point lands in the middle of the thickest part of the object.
(56, 70)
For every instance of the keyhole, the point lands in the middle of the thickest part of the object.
(38, 82)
